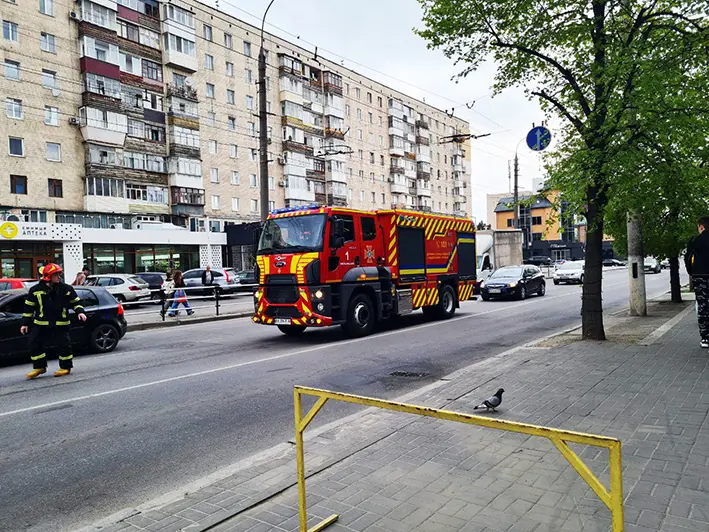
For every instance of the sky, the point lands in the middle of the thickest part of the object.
(375, 38)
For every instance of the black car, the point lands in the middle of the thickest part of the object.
(539, 260)
(247, 280)
(155, 281)
(514, 282)
(103, 329)
(613, 263)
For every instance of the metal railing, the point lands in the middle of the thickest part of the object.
(612, 498)
(222, 298)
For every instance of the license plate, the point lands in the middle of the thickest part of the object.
(282, 321)
(495, 291)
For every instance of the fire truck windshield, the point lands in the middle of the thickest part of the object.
(292, 234)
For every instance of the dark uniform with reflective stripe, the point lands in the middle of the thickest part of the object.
(47, 315)
(697, 263)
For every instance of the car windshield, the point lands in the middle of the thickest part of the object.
(650, 262)
(292, 234)
(507, 272)
(571, 266)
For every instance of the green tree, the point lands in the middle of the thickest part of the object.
(585, 61)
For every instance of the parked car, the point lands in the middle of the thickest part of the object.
(665, 264)
(539, 260)
(12, 283)
(247, 280)
(569, 272)
(103, 329)
(156, 282)
(652, 265)
(225, 278)
(613, 263)
(123, 286)
(513, 282)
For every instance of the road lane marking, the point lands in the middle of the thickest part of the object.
(277, 357)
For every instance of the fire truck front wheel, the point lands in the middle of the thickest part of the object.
(291, 330)
(361, 316)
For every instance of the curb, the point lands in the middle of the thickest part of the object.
(178, 322)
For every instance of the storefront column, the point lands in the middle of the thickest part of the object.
(73, 258)
(210, 255)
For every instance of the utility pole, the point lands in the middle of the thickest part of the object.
(263, 124)
(636, 262)
(516, 192)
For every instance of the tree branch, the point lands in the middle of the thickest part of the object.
(562, 109)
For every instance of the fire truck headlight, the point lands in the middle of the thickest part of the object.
(318, 295)
(321, 307)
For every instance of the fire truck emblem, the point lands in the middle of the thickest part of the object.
(369, 254)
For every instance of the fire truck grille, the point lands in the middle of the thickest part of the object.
(283, 312)
(282, 289)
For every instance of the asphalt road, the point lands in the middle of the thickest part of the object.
(173, 405)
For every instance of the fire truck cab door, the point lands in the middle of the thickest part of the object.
(342, 259)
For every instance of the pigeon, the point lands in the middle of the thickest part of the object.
(492, 402)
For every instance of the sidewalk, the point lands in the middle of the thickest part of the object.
(384, 471)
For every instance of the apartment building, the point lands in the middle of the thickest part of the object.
(122, 116)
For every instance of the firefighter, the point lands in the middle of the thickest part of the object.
(46, 317)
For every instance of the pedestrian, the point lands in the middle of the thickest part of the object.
(208, 276)
(46, 318)
(696, 261)
(179, 296)
(80, 277)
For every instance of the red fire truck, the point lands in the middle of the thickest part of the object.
(322, 266)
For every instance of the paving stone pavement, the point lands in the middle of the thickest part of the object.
(406, 473)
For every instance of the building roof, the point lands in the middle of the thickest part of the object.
(505, 204)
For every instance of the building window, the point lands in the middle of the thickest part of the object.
(235, 204)
(369, 97)
(210, 90)
(152, 70)
(253, 181)
(12, 69)
(247, 48)
(358, 93)
(374, 194)
(213, 147)
(130, 64)
(230, 69)
(536, 237)
(359, 113)
(381, 104)
(248, 76)
(9, 31)
(233, 151)
(235, 178)
(47, 42)
(214, 175)
(347, 109)
(231, 122)
(228, 41)
(46, 7)
(49, 79)
(212, 118)
(381, 159)
(180, 15)
(17, 147)
(254, 205)
(253, 155)
(55, 188)
(230, 95)
(536, 220)
(54, 151)
(371, 157)
(215, 203)
(384, 198)
(271, 183)
(18, 184)
(13, 108)
(252, 129)
(249, 102)
(207, 33)
(180, 44)
(128, 31)
(208, 62)
(510, 221)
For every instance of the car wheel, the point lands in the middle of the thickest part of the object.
(522, 292)
(542, 289)
(104, 338)
(120, 298)
(556, 282)
(446, 303)
(291, 330)
(485, 297)
(361, 317)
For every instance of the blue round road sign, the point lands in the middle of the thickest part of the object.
(538, 138)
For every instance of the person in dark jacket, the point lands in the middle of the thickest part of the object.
(46, 318)
(208, 276)
(696, 260)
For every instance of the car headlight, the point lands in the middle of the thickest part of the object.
(512, 285)
(482, 283)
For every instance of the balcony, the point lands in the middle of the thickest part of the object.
(300, 194)
(423, 208)
(185, 92)
(180, 60)
(423, 157)
(421, 124)
(397, 170)
(460, 213)
(423, 175)
(423, 191)
(398, 205)
(396, 152)
(186, 181)
(105, 204)
(423, 141)
(399, 188)
(459, 183)
(459, 167)
(413, 157)
(332, 83)
(317, 171)
(289, 145)
(334, 134)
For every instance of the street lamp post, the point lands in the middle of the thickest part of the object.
(263, 123)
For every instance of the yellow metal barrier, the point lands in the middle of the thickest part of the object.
(613, 499)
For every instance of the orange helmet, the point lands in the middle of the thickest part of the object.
(49, 270)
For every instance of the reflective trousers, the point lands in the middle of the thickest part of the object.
(42, 336)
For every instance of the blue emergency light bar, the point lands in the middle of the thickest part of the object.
(294, 209)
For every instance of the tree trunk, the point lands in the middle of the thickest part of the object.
(675, 287)
(592, 302)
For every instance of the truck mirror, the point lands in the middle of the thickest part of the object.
(338, 233)
(339, 241)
